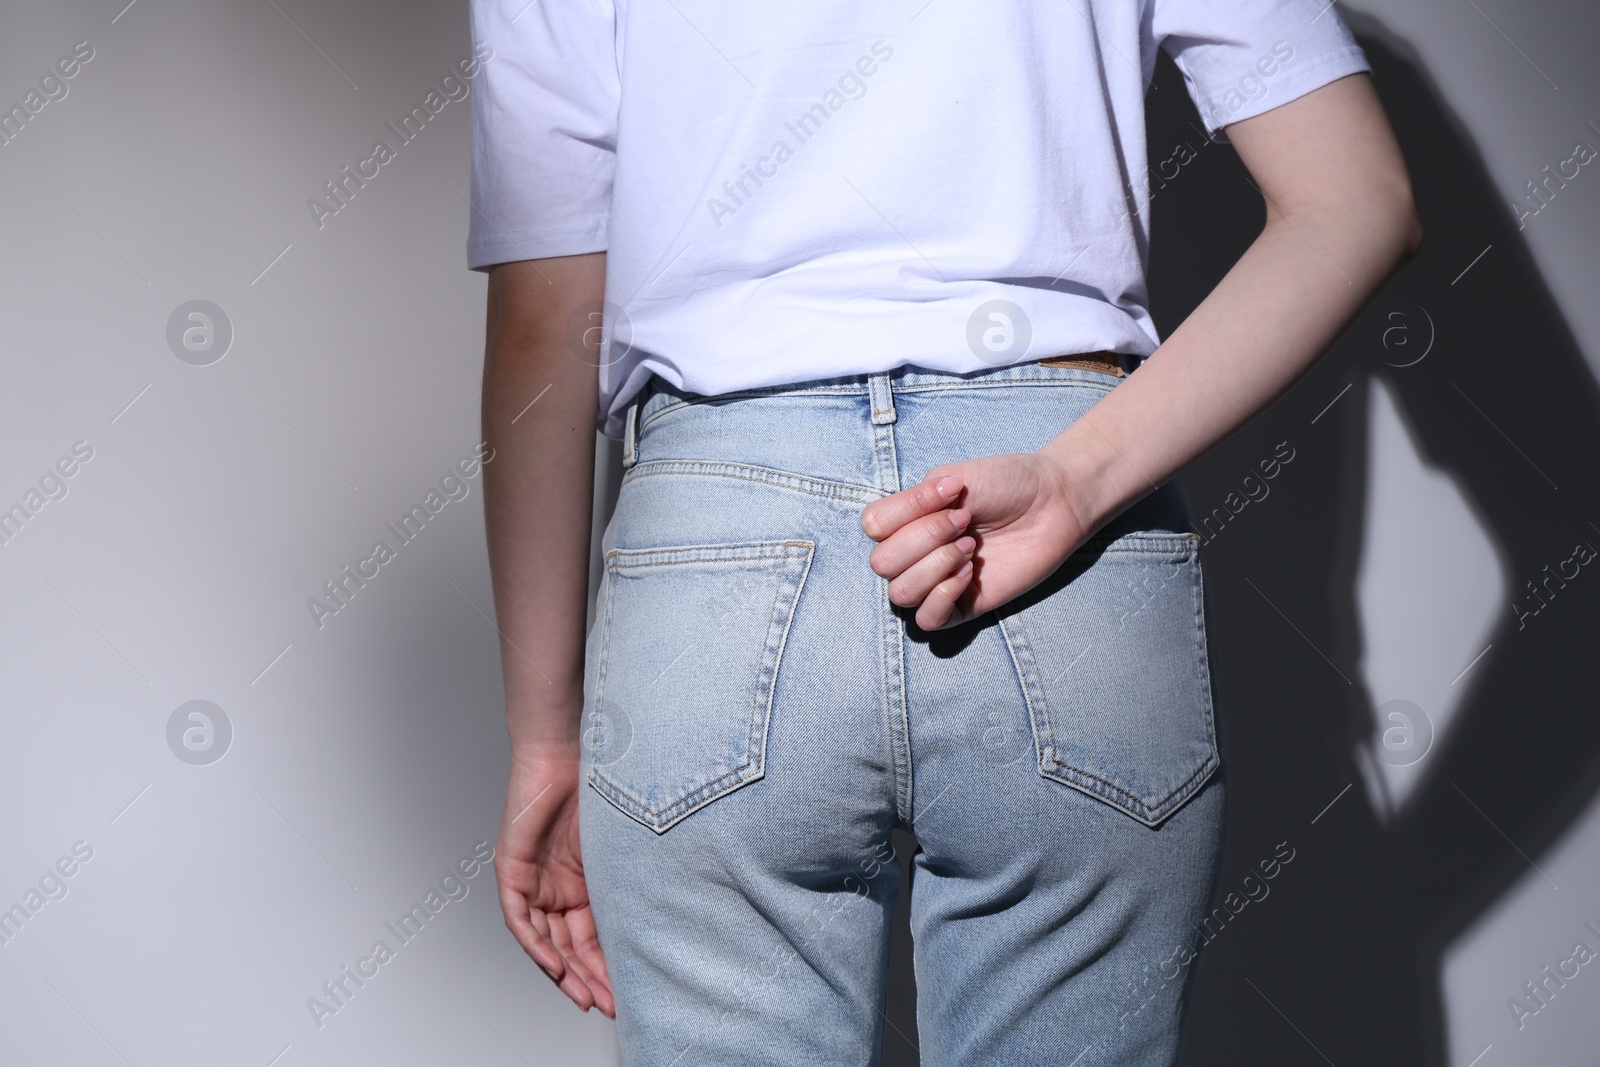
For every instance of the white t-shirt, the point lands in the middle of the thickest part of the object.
(832, 187)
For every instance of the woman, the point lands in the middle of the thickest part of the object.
(898, 543)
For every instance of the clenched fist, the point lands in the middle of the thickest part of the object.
(973, 535)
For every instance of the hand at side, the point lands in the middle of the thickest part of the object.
(540, 870)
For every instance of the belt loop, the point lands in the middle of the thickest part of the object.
(882, 396)
(630, 435)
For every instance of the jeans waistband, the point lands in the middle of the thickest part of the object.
(659, 394)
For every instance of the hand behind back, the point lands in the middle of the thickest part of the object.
(973, 535)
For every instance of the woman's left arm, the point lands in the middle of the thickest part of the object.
(1340, 221)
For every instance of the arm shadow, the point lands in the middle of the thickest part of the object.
(1350, 944)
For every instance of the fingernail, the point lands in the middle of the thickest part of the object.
(948, 486)
(963, 570)
(960, 517)
(966, 545)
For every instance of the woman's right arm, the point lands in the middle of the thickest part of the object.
(538, 491)
(539, 400)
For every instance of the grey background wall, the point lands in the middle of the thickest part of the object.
(345, 765)
(367, 756)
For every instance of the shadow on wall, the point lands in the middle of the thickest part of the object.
(1345, 954)
(1349, 944)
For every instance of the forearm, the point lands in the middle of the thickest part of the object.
(1322, 255)
(539, 400)
(1254, 336)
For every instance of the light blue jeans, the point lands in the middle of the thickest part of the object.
(758, 716)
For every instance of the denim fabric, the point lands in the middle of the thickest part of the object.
(759, 717)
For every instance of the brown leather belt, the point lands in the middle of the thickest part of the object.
(1104, 362)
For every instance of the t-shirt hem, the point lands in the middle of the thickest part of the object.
(1303, 79)
(510, 246)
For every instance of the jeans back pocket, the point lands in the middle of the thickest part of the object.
(687, 663)
(1111, 653)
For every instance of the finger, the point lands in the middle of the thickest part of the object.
(917, 539)
(562, 936)
(938, 608)
(914, 584)
(571, 983)
(534, 942)
(883, 517)
(585, 940)
(582, 952)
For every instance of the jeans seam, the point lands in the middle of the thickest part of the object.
(897, 719)
(631, 566)
(1202, 663)
(844, 491)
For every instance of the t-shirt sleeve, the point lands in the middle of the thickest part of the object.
(1242, 57)
(544, 115)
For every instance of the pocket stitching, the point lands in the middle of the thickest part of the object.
(1052, 768)
(787, 554)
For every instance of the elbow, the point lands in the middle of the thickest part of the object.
(1401, 221)
(1389, 223)
(1376, 222)
(1408, 231)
